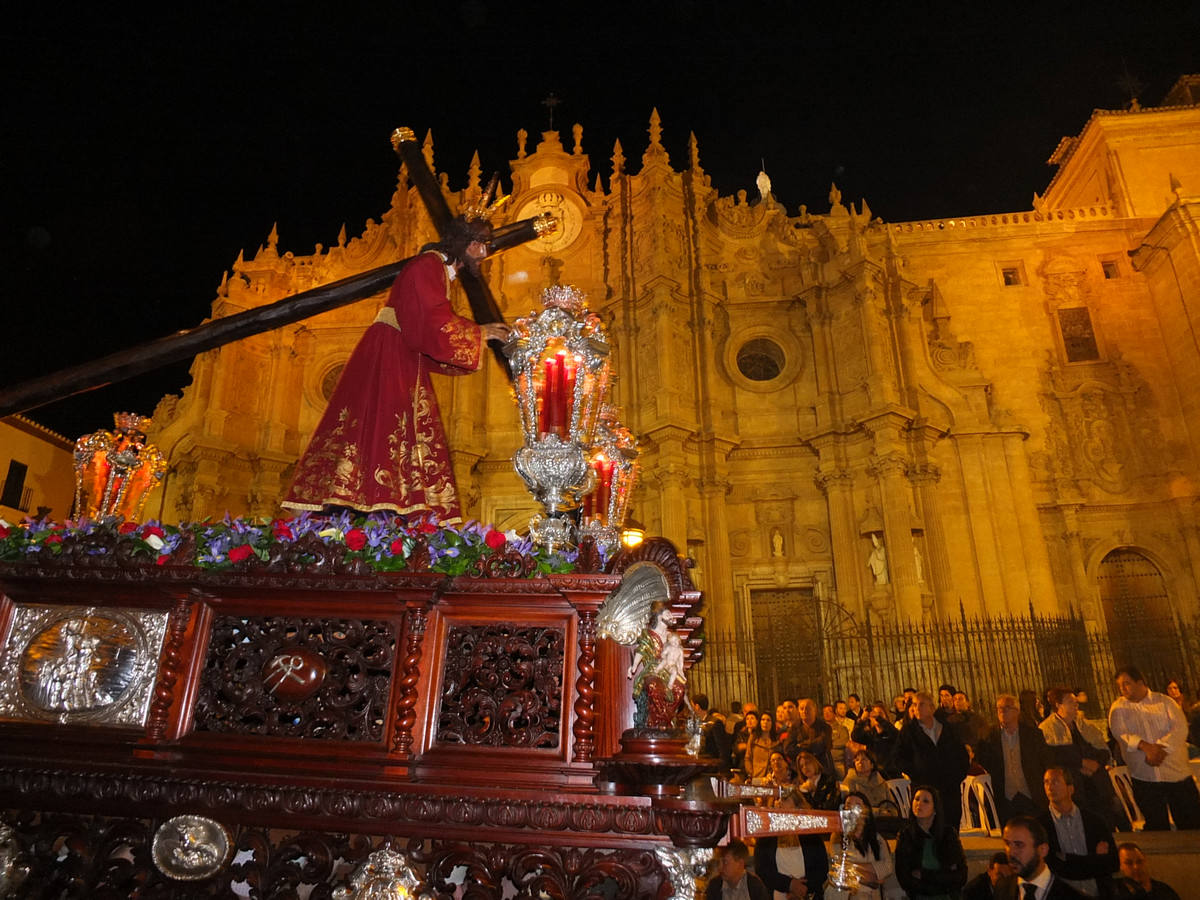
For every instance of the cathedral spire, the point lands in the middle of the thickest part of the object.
(654, 151)
(473, 173)
(693, 152)
(427, 149)
(618, 158)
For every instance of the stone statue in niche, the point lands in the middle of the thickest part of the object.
(776, 542)
(919, 562)
(877, 561)
(659, 683)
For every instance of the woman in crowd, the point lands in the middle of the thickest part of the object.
(740, 739)
(865, 779)
(929, 855)
(817, 788)
(779, 773)
(869, 854)
(759, 745)
(1031, 708)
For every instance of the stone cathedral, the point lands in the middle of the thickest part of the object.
(893, 417)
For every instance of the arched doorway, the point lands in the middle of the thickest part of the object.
(1142, 628)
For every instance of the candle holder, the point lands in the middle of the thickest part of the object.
(843, 874)
(561, 370)
(115, 470)
(614, 472)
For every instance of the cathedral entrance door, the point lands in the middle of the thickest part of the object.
(1142, 628)
(788, 644)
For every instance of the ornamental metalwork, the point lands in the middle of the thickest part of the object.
(685, 867)
(502, 686)
(560, 363)
(777, 821)
(386, 875)
(81, 665)
(283, 676)
(115, 470)
(191, 848)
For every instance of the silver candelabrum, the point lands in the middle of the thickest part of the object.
(561, 370)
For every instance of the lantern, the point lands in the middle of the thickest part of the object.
(115, 470)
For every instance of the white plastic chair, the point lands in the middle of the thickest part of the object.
(900, 790)
(980, 787)
(1123, 785)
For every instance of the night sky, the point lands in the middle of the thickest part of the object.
(140, 155)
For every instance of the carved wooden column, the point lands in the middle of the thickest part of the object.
(585, 713)
(406, 715)
(168, 669)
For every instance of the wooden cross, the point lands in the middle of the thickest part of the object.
(187, 343)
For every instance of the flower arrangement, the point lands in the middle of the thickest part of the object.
(379, 542)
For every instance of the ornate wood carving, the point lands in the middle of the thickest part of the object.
(406, 715)
(502, 686)
(168, 669)
(529, 873)
(350, 705)
(585, 714)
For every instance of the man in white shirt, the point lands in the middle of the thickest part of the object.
(1152, 732)
(1027, 845)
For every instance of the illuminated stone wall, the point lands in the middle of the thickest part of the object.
(998, 400)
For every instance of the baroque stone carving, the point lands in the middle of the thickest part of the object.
(81, 664)
(349, 703)
(502, 686)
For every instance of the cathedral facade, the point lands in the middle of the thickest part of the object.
(895, 419)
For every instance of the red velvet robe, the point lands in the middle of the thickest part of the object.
(380, 444)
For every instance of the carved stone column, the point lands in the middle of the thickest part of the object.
(926, 476)
(719, 584)
(835, 484)
(1033, 539)
(1085, 596)
(976, 488)
(891, 472)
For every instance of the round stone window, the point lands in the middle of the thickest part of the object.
(330, 379)
(760, 359)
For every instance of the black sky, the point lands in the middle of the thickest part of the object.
(140, 155)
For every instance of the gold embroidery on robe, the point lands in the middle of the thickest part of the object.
(331, 463)
(464, 343)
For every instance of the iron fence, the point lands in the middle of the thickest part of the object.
(982, 656)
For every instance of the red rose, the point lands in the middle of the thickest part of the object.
(356, 539)
(282, 530)
(53, 539)
(495, 539)
(427, 527)
(162, 560)
(240, 552)
(127, 528)
(152, 531)
(397, 547)
(5, 531)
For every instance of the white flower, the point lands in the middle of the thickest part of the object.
(154, 541)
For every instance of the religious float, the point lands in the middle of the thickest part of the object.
(361, 706)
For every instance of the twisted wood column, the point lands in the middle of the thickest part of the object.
(406, 715)
(168, 669)
(585, 713)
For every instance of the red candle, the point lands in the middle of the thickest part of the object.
(570, 396)
(549, 382)
(560, 393)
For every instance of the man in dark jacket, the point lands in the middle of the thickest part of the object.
(1082, 849)
(1016, 757)
(1027, 844)
(809, 735)
(931, 753)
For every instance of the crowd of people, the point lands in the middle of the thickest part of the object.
(1049, 769)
